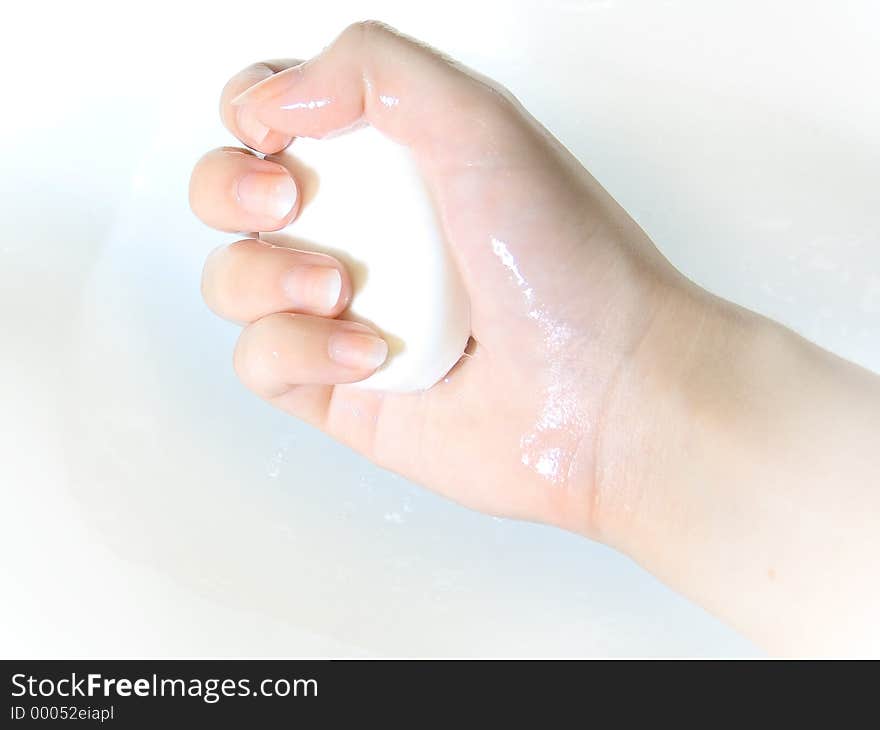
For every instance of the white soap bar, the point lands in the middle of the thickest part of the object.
(364, 202)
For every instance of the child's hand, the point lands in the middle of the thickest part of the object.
(604, 393)
(563, 285)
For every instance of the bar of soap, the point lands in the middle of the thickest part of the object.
(364, 202)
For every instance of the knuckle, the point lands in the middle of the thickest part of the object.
(248, 76)
(195, 187)
(256, 358)
(498, 95)
(252, 358)
(240, 357)
(202, 182)
(210, 280)
(217, 291)
(365, 33)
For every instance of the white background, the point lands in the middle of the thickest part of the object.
(149, 506)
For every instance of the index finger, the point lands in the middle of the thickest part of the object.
(241, 121)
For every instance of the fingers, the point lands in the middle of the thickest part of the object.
(241, 121)
(281, 351)
(233, 190)
(407, 90)
(250, 279)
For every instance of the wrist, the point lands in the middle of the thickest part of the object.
(742, 472)
(681, 399)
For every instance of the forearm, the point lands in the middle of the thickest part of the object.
(754, 486)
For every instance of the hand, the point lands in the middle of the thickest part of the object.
(603, 392)
(563, 285)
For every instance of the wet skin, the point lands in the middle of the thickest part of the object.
(603, 392)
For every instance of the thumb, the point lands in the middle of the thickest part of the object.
(408, 91)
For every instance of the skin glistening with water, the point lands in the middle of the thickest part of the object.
(603, 392)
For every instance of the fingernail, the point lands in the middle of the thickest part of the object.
(267, 194)
(313, 288)
(251, 128)
(357, 350)
(267, 88)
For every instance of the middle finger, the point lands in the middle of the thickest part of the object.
(233, 190)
